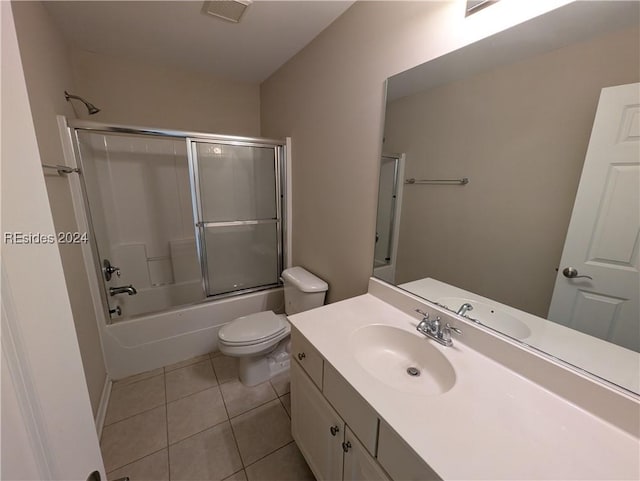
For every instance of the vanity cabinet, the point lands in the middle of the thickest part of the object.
(308, 357)
(317, 429)
(325, 416)
(358, 463)
(399, 460)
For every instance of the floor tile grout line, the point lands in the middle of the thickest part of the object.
(215, 374)
(226, 420)
(166, 412)
(269, 454)
(233, 474)
(191, 363)
(134, 415)
(253, 409)
(233, 433)
(199, 432)
(217, 377)
(284, 407)
(191, 394)
(117, 386)
(136, 460)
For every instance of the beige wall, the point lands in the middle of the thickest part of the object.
(330, 99)
(131, 92)
(47, 70)
(520, 133)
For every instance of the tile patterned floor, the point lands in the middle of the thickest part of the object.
(195, 421)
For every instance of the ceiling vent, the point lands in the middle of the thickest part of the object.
(230, 10)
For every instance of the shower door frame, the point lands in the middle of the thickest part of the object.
(280, 146)
(201, 225)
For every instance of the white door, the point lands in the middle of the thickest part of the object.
(603, 236)
(48, 431)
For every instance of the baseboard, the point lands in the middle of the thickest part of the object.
(102, 407)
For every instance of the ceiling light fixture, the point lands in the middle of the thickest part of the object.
(230, 10)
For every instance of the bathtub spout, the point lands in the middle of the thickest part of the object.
(123, 290)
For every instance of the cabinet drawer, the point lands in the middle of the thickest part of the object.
(357, 413)
(399, 460)
(307, 356)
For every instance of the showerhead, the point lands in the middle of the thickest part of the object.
(90, 107)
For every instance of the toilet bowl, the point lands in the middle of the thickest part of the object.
(260, 341)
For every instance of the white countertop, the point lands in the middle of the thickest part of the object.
(609, 361)
(493, 423)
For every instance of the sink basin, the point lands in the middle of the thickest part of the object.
(490, 316)
(389, 353)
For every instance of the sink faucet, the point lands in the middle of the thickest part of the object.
(464, 308)
(123, 290)
(433, 329)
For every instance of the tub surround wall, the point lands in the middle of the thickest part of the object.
(132, 92)
(330, 99)
(552, 97)
(47, 69)
(140, 199)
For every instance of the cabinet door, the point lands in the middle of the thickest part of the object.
(358, 463)
(352, 407)
(316, 427)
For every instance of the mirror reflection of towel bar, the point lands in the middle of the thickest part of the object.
(62, 169)
(463, 181)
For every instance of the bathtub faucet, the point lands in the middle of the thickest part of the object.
(123, 290)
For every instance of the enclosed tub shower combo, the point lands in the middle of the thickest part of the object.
(186, 233)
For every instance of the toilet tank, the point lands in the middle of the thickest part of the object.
(302, 290)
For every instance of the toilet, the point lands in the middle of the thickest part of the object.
(261, 341)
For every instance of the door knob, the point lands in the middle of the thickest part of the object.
(572, 273)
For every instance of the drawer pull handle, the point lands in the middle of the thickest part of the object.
(334, 430)
(346, 446)
(301, 356)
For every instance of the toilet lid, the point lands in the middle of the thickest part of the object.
(253, 328)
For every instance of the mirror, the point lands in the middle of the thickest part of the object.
(513, 114)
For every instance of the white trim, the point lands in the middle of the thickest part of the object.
(83, 226)
(21, 375)
(289, 206)
(104, 403)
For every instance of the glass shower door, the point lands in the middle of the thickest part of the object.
(237, 210)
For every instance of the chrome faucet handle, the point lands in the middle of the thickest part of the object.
(446, 333)
(435, 326)
(450, 328)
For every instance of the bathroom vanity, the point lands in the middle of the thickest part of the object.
(374, 399)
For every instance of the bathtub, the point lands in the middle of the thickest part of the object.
(145, 342)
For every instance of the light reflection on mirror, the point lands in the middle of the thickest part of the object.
(514, 114)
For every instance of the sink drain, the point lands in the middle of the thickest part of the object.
(413, 371)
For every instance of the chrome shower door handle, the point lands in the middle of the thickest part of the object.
(572, 273)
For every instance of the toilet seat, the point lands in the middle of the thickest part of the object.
(254, 329)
